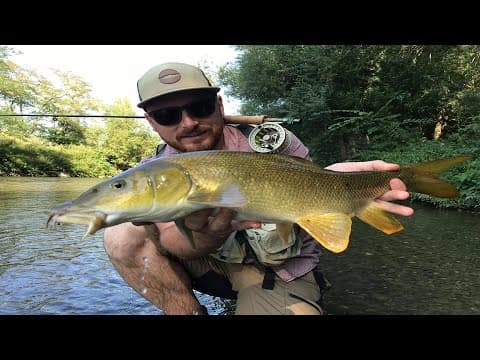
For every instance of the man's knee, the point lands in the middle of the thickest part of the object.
(122, 242)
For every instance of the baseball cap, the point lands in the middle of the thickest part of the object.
(171, 77)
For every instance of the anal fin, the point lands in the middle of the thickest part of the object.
(375, 216)
(331, 230)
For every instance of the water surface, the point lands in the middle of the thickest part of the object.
(432, 267)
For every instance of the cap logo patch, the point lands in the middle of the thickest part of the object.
(169, 76)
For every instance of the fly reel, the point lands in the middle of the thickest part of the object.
(269, 137)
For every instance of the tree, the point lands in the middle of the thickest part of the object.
(126, 141)
(73, 97)
(354, 98)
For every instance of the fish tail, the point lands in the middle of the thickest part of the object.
(424, 177)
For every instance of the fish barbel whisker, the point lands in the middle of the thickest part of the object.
(94, 219)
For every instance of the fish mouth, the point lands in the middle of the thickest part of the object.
(67, 214)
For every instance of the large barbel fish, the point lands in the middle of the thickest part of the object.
(270, 188)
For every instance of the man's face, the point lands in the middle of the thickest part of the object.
(192, 132)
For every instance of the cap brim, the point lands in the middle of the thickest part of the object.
(209, 88)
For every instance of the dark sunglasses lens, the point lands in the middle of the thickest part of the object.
(173, 115)
(168, 116)
(201, 108)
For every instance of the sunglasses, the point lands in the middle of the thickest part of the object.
(173, 115)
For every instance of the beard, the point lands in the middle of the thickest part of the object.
(200, 138)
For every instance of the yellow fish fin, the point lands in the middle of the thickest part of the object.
(375, 216)
(424, 178)
(229, 196)
(332, 230)
(284, 230)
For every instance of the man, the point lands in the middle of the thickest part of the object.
(240, 260)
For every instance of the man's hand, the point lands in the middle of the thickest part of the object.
(398, 189)
(217, 225)
(211, 227)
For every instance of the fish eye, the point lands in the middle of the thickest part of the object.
(120, 184)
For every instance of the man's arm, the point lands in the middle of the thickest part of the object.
(209, 231)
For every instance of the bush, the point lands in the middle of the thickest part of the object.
(31, 157)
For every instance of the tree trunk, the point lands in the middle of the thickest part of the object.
(439, 125)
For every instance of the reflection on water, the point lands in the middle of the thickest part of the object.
(432, 267)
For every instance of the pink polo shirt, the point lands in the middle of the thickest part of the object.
(309, 255)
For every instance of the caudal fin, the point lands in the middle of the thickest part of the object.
(424, 177)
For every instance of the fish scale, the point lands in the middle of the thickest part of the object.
(283, 184)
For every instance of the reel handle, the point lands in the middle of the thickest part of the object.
(244, 119)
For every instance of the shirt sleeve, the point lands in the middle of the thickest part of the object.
(296, 147)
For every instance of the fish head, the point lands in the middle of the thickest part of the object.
(144, 193)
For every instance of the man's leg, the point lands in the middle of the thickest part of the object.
(298, 297)
(156, 277)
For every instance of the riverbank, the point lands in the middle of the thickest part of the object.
(32, 157)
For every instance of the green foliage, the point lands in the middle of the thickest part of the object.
(88, 162)
(25, 91)
(402, 103)
(126, 141)
(65, 131)
(31, 157)
(464, 176)
(13, 125)
(76, 146)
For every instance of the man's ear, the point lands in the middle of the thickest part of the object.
(220, 105)
(149, 119)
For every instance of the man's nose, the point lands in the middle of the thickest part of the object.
(187, 120)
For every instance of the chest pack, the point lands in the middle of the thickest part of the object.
(264, 138)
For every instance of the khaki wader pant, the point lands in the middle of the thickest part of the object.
(297, 297)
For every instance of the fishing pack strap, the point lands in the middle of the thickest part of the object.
(323, 285)
(251, 258)
(268, 279)
(160, 148)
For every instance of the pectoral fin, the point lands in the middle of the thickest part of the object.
(332, 230)
(187, 233)
(375, 216)
(229, 196)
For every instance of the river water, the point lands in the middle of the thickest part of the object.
(432, 267)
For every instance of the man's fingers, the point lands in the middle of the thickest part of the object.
(380, 165)
(397, 184)
(196, 221)
(222, 222)
(375, 165)
(393, 195)
(247, 224)
(395, 208)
